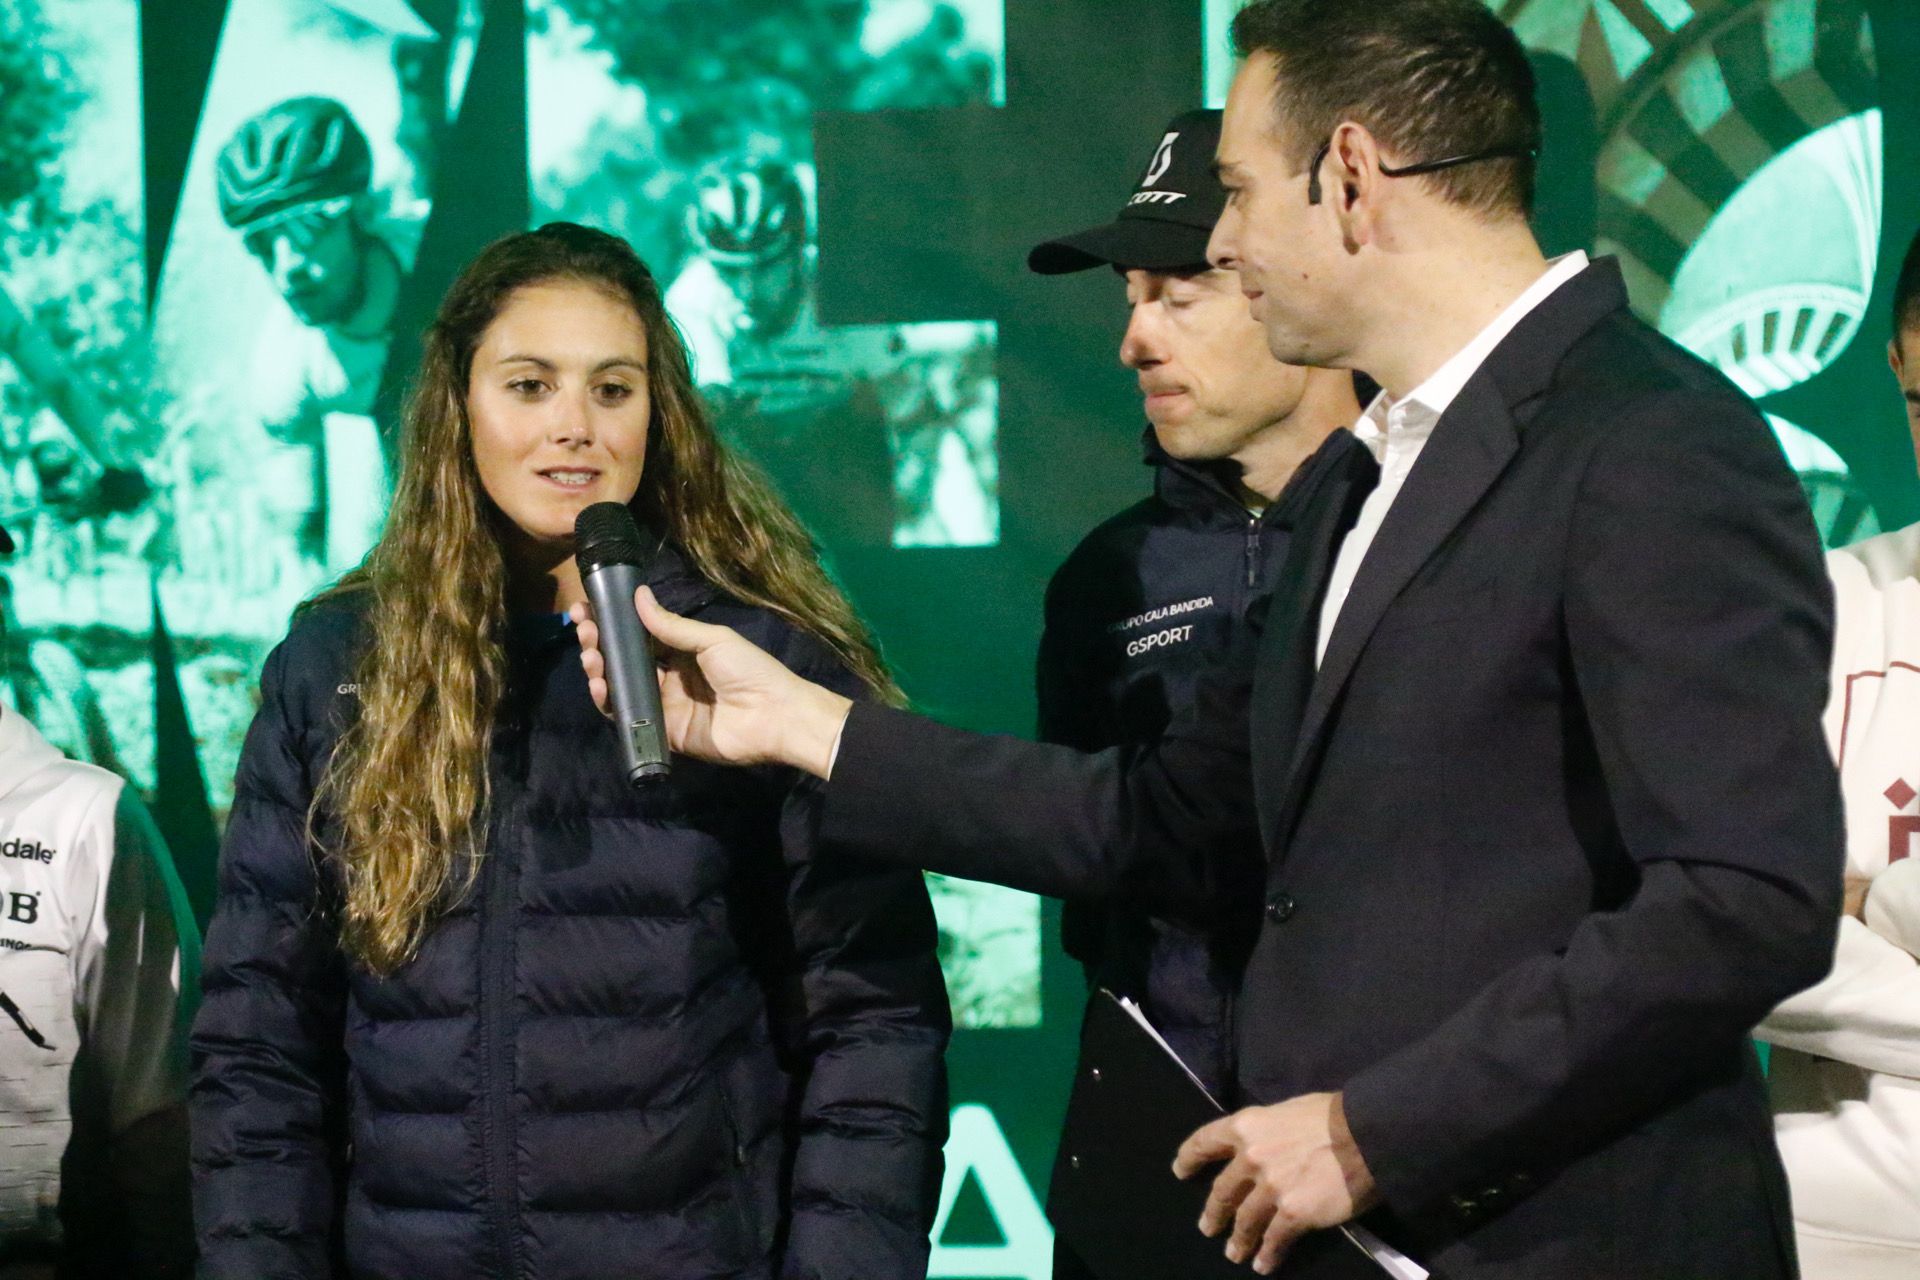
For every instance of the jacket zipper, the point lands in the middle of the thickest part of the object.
(1230, 1069)
(1253, 551)
(737, 1146)
(737, 1152)
(496, 1045)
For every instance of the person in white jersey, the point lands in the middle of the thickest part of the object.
(97, 953)
(1845, 1069)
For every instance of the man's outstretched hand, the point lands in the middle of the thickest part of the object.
(725, 699)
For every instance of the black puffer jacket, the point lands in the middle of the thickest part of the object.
(657, 1039)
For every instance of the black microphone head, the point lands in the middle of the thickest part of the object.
(605, 533)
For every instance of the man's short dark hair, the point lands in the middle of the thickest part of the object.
(1431, 79)
(1906, 298)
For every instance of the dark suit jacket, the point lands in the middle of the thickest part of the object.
(1550, 828)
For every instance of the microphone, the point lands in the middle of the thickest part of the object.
(608, 551)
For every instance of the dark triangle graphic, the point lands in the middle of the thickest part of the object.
(178, 43)
(972, 1221)
(180, 806)
(480, 193)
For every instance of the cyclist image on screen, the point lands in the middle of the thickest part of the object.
(803, 401)
(296, 183)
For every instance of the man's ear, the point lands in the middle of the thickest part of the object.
(1352, 180)
(1894, 362)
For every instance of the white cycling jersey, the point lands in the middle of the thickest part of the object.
(1845, 1075)
(90, 967)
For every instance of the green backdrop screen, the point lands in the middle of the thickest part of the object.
(188, 448)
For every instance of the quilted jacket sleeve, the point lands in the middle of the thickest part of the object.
(267, 1061)
(867, 1023)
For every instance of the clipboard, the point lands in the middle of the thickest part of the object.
(1114, 1200)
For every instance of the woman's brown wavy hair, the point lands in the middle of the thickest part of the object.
(406, 790)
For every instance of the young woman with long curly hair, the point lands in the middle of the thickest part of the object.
(473, 1005)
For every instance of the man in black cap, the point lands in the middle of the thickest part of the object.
(1163, 589)
(1167, 587)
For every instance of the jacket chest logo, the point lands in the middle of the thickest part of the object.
(1164, 638)
(26, 850)
(1157, 636)
(1877, 706)
(1901, 827)
(1161, 614)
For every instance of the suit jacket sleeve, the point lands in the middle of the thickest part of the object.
(266, 1093)
(1170, 820)
(1698, 623)
(862, 1017)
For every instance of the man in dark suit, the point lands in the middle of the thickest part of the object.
(1533, 752)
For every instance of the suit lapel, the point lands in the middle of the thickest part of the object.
(1285, 663)
(1471, 445)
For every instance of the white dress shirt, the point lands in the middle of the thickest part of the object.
(1397, 430)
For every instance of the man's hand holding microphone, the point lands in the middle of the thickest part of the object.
(1290, 1168)
(725, 699)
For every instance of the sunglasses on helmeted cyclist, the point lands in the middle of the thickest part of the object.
(302, 227)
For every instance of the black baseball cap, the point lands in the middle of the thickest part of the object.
(1166, 222)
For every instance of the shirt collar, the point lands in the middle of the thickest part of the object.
(1421, 408)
